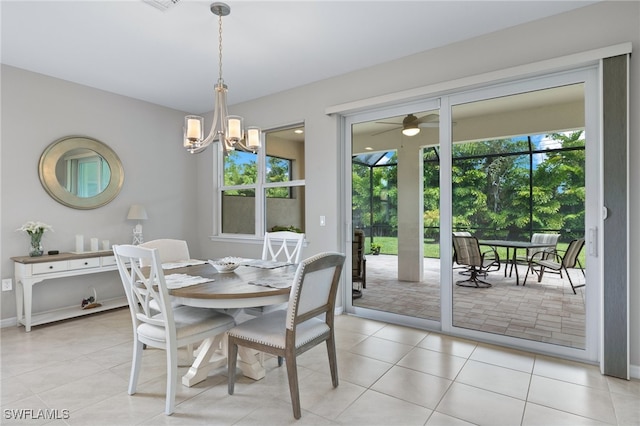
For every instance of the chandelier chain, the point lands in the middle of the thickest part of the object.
(220, 48)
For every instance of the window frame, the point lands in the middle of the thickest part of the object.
(259, 187)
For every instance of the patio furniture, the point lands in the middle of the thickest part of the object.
(558, 263)
(496, 262)
(358, 263)
(515, 245)
(467, 253)
(538, 238)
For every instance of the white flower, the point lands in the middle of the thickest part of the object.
(35, 227)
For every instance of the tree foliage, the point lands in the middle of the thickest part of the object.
(507, 188)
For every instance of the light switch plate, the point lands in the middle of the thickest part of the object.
(7, 284)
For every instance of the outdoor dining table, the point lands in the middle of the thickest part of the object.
(246, 287)
(515, 245)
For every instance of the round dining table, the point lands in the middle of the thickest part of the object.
(246, 287)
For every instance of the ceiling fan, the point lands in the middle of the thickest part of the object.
(411, 124)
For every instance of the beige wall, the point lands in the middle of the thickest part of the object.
(178, 195)
(37, 110)
(600, 25)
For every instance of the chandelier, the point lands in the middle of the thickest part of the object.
(226, 129)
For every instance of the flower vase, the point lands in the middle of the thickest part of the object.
(35, 249)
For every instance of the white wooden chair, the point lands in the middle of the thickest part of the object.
(168, 329)
(169, 250)
(278, 246)
(307, 322)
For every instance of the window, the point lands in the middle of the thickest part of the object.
(264, 191)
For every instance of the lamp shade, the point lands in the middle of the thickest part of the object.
(137, 212)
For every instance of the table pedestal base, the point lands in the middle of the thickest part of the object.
(212, 354)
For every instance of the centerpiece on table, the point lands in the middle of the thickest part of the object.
(35, 231)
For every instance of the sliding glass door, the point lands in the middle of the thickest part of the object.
(507, 165)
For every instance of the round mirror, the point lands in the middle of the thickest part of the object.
(81, 172)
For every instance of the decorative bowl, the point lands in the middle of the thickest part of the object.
(226, 264)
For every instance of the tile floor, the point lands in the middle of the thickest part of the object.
(546, 312)
(389, 375)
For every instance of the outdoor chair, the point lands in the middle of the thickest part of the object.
(539, 253)
(467, 270)
(307, 322)
(557, 262)
(359, 263)
(168, 328)
(467, 253)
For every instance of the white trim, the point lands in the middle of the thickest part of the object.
(589, 57)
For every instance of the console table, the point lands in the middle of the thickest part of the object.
(29, 271)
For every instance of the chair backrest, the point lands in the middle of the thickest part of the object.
(168, 249)
(277, 246)
(573, 251)
(143, 289)
(467, 250)
(551, 239)
(314, 288)
(462, 233)
(357, 252)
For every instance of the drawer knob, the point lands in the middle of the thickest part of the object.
(86, 263)
(50, 266)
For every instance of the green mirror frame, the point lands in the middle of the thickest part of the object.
(57, 150)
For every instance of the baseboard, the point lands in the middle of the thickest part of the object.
(9, 322)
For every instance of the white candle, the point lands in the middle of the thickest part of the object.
(106, 245)
(94, 244)
(79, 243)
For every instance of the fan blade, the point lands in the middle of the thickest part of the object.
(385, 131)
(429, 124)
(429, 118)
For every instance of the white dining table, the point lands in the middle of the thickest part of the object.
(231, 292)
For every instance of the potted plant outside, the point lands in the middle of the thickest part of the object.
(375, 248)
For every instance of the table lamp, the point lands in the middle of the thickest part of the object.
(137, 212)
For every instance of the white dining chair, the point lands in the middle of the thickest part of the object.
(307, 322)
(170, 250)
(168, 329)
(283, 246)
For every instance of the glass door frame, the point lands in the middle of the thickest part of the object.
(593, 220)
(347, 122)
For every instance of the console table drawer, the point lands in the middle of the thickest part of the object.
(47, 267)
(93, 262)
(108, 260)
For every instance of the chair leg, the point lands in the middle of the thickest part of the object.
(333, 363)
(280, 361)
(294, 391)
(527, 274)
(172, 378)
(232, 358)
(541, 273)
(573, 287)
(473, 279)
(135, 366)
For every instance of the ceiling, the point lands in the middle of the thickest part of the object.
(170, 57)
